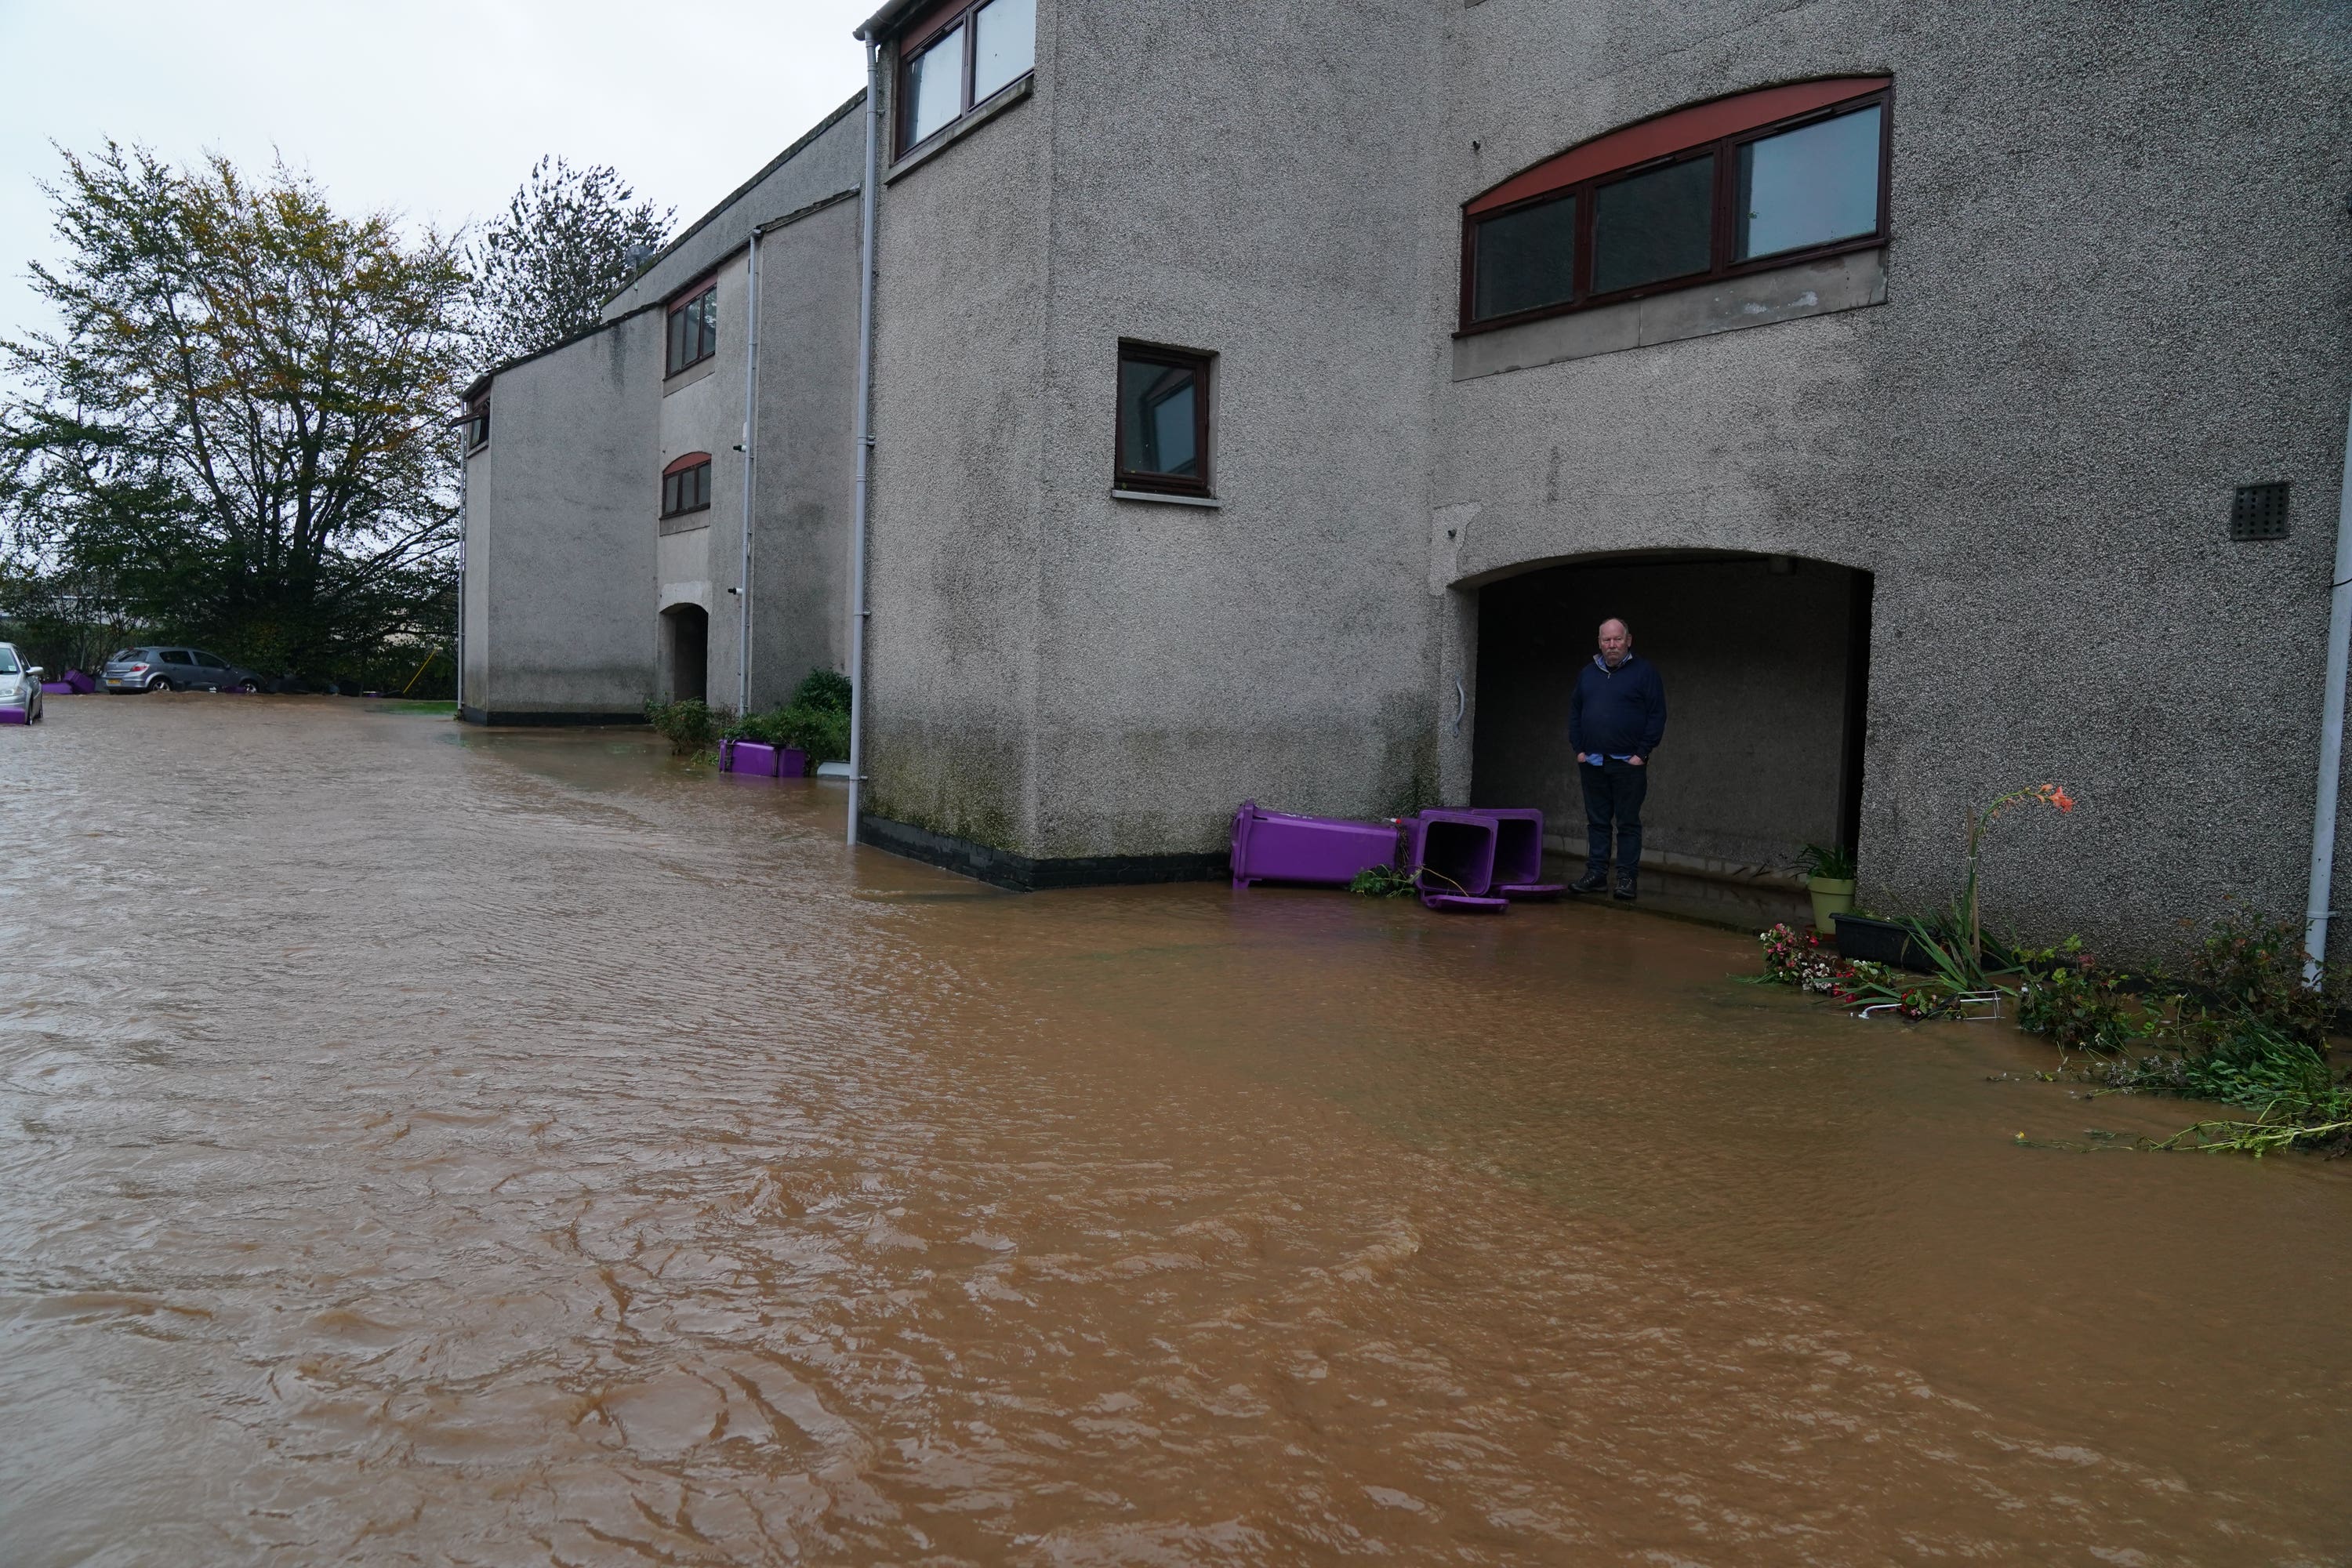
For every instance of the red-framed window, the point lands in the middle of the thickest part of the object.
(693, 326)
(957, 59)
(686, 484)
(1735, 185)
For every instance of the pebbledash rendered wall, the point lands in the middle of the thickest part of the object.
(2119, 286)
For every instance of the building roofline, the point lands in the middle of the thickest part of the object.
(737, 193)
(872, 29)
(481, 383)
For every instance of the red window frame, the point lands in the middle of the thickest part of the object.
(686, 484)
(911, 43)
(705, 293)
(1719, 127)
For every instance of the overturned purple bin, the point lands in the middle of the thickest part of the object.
(1274, 846)
(1451, 854)
(760, 759)
(1519, 852)
(81, 685)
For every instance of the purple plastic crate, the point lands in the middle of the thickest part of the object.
(1274, 846)
(15, 716)
(1451, 854)
(57, 687)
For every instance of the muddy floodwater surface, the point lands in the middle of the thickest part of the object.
(426, 1145)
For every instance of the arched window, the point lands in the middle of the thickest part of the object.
(686, 484)
(1736, 186)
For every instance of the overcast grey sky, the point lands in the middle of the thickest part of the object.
(436, 108)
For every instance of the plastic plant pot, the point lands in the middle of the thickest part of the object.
(1325, 851)
(1451, 854)
(1519, 852)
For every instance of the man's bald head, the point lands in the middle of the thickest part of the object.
(1616, 641)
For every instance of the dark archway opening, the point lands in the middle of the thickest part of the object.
(1766, 665)
(685, 652)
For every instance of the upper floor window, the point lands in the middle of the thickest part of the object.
(1713, 190)
(476, 423)
(693, 328)
(686, 484)
(957, 59)
(1163, 420)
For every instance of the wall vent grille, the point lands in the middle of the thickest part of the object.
(2258, 513)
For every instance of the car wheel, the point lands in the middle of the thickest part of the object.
(248, 686)
(162, 683)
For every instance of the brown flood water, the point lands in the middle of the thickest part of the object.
(426, 1145)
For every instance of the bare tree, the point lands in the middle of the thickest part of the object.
(567, 242)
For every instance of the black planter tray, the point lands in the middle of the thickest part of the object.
(1867, 939)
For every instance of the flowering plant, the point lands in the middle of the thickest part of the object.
(1802, 959)
(1969, 923)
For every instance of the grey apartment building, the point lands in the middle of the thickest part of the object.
(1268, 400)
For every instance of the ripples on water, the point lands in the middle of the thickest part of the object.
(426, 1145)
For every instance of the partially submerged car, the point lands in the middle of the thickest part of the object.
(175, 670)
(20, 689)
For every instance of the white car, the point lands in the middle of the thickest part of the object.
(20, 689)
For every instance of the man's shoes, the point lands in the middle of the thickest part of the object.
(1590, 882)
(1625, 889)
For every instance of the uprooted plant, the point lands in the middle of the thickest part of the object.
(1383, 882)
(2242, 1028)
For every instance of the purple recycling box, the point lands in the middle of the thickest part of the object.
(81, 685)
(15, 716)
(56, 688)
(1274, 846)
(760, 759)
(1451, 854)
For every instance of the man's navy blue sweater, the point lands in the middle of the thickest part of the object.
(1620, 712)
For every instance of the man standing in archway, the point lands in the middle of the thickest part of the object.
(1616, 716)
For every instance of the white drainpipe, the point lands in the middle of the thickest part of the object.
(465, 461)
(750, 414)
(858, 610)
(2331, 731)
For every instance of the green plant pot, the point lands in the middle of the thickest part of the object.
(1832, 897)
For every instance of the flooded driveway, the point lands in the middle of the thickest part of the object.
(426, 1145)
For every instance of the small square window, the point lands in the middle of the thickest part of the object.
(1163, 420)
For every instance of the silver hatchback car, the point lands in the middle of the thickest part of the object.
(20, 689)
(175, 670)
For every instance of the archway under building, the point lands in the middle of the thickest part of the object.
(685, 652)
(1765, 661)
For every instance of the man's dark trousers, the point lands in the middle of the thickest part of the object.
(1612, 793)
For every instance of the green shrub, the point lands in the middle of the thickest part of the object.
(1381, 882)
(690, 724)
(826, 690)
(2252, 966)
(2069, 999)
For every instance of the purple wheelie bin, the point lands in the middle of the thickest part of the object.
(1451, 854)
(1274, 846)
(760, 759)
(1519, 852)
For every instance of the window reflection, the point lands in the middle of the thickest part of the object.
(1004, 45)
(935, 86)
(1808, 186)
(1526, 259)
(1160, 418)
(1654, 226)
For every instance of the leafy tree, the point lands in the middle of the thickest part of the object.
(237, 434)
(544, 269)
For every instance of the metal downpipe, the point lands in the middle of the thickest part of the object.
(2331, 731)
(857, 608)
(751, 415)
